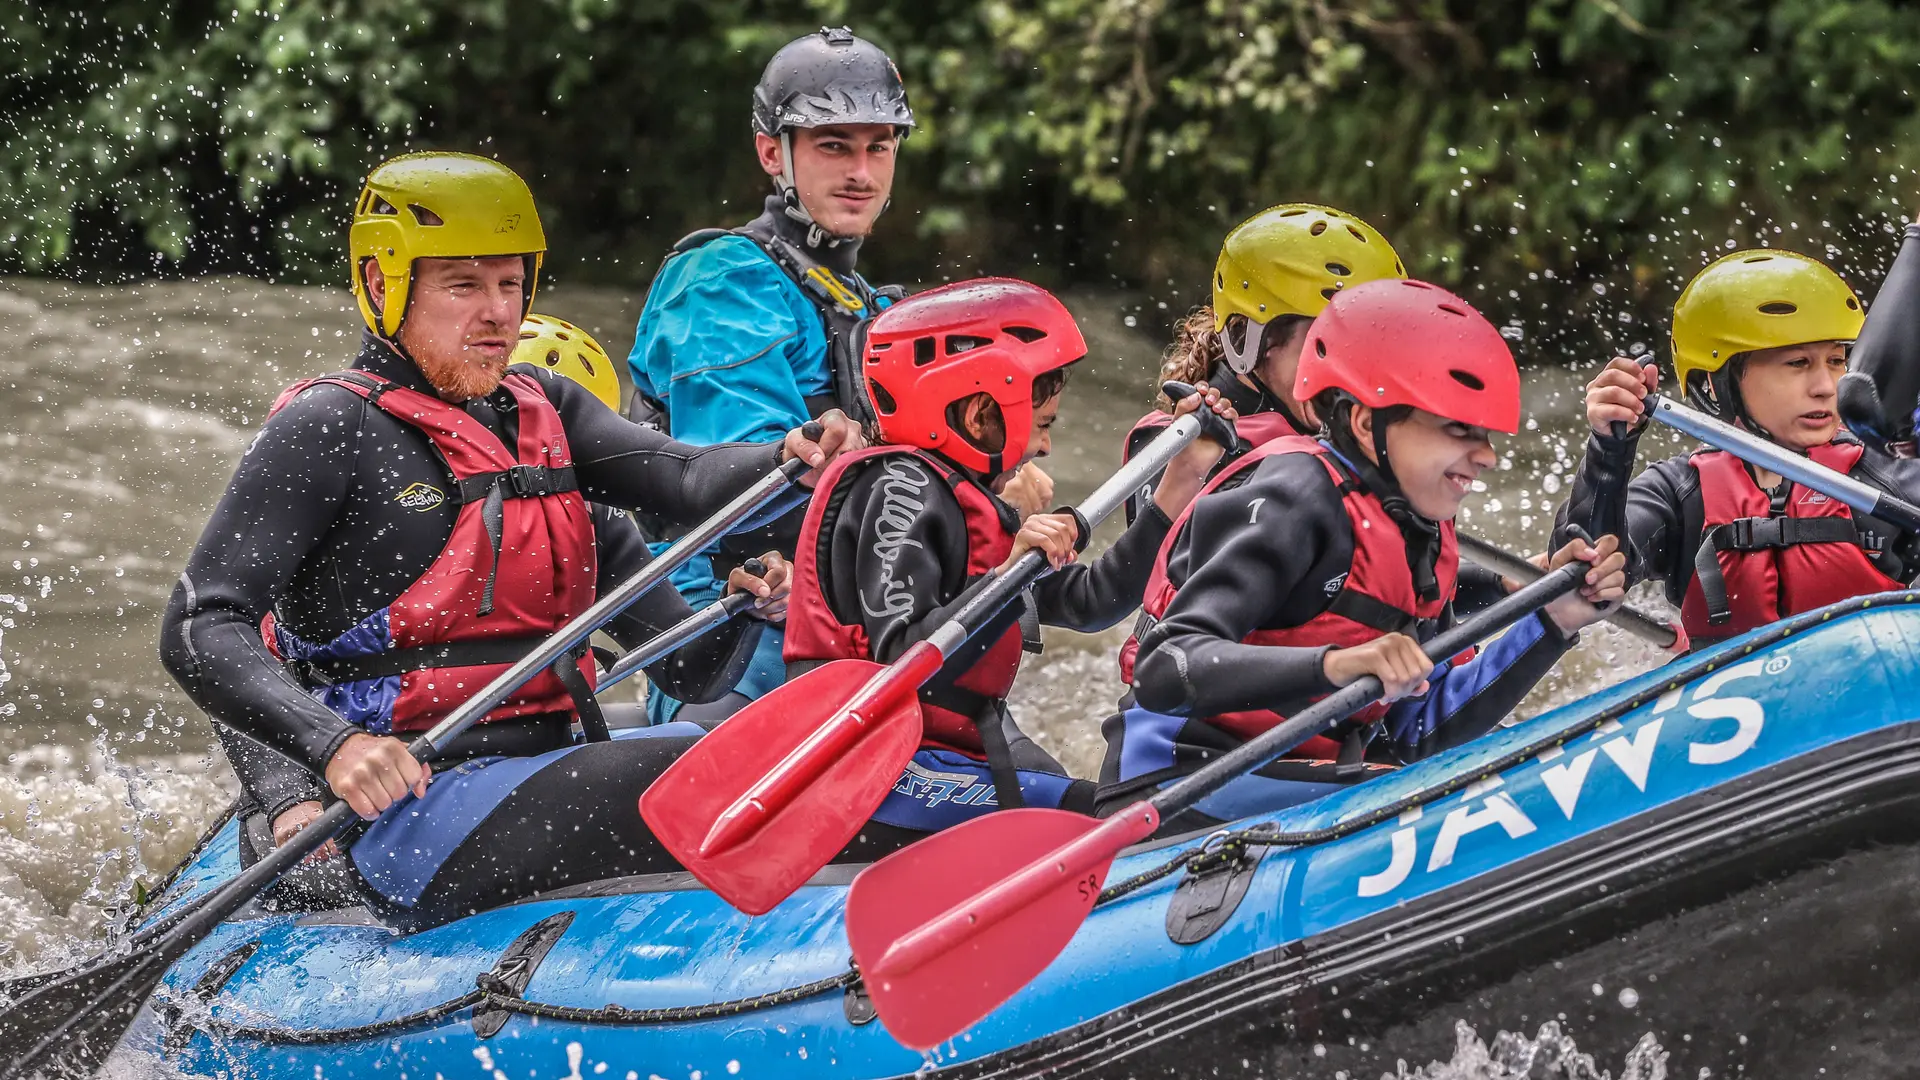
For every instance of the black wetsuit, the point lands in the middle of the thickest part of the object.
(1269, 553)
(1661, 514)
(901, 564)
(312, 526)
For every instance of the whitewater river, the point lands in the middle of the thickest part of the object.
(125, 410)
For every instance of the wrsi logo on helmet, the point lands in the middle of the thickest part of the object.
(1290, 260)
(992, 336)
(438, 205)
(1753, 300)
(559, 346)
(827, 77)
(1408, 343)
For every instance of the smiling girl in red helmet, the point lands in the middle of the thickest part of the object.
(1311, 562)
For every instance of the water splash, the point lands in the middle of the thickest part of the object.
(1550, 1055)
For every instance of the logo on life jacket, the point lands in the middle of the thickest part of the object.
(420, 497)
(1332, 585)
(1813, 498)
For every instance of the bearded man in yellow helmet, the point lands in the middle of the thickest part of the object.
(1759, 339)
(400, 532)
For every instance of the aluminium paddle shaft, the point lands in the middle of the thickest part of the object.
(742, 818)
(1507, 564)
(1804, 471)
(108, 992)
(1080, 863)
(673, 637)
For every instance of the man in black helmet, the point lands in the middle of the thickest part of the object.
(747, 332)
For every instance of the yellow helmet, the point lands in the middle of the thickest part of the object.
(1290, 260)
(558, 345)
(438, 206)
(1759, 299)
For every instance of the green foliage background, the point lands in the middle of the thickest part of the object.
(1532, 152)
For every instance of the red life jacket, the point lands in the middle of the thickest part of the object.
(520, 563)
(1754, 566)
(1376, 597)
(816, 633)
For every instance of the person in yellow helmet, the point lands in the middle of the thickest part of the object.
(1276, 271)
(400, 532)
(560, 346)
(1759, 339)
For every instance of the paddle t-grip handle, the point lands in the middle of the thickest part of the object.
(1212, 425)
(1804, 471)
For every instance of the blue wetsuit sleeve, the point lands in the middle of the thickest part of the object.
(723, 343)
(1465, 702)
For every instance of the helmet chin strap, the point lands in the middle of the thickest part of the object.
(1243, 358)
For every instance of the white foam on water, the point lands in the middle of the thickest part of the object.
(79, 830)
(1550, 1054)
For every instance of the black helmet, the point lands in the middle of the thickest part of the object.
(829, 77)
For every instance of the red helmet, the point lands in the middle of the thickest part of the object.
(991, 335)
(1398, 342)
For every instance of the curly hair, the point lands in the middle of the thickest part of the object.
(1196, 347)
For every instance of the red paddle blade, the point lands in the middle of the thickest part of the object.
(948, 929)
(753, 815)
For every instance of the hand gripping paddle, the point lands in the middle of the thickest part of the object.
(1804, 471)
(762, 802)
(68, 1022)
(946, 930)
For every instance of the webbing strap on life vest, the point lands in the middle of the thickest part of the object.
(593, 723)
(1760, 534)
(1371, 612)
(993, 741)
(314, 674)
(525, 482)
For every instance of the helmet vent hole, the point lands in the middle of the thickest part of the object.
(1757, 258)
(1028, 334)
(1320, 346)
(588, 364)
(1357, 234)
(923, 352)
(553, 358)
(1778, 307)
(1852, 304)
(1338, 270)
(378, 205)
(1292, 213)
(959, 343)
(1219, 280)
(882, 401)
(1317, 228)
(877, 347)
(1467, 379)
(425, 216)
(1451, 310)
(1329, 291)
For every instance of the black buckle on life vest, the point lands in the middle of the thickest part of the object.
(530, 481)
(1750, 534)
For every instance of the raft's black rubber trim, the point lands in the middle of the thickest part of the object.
(1441, 948)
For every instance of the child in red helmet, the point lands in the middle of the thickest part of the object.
(965, 380)
(1311, 562)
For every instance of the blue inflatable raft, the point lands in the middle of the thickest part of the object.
(1779, 751)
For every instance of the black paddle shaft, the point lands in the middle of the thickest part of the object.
(72, 1021)
(985, 598)
(1356, 695)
